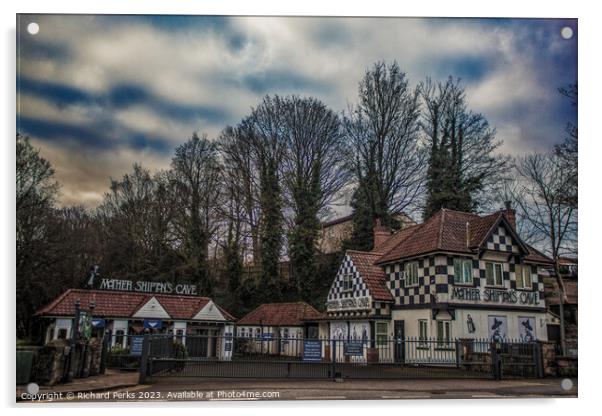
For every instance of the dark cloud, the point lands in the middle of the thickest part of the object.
(129, 86)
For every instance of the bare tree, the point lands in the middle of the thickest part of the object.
(385, 155)
(545, 208)
(195, 182)
(136, 233)
(313, 172)
(241, 171)
(567, 151)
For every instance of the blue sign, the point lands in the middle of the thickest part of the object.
(267, 335)
(152, 323)
(136, 345)
(354, 348)
(312, 350)
(98, 323)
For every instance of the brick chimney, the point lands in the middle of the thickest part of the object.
(381, 233)
(510, 214)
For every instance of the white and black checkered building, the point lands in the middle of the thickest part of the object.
(487, 243)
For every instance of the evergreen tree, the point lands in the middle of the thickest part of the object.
(271, 232)
(462, 166)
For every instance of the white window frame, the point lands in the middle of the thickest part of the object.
(381, 336)
(423, 338)
(520, 270)
(444, 336)
(494, 274)
(120, 325)
(348, 282)
(460, 266)
(410, 279)
(62, 324)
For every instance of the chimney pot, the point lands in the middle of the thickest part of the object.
(510, 214)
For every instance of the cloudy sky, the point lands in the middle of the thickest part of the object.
(98, 93)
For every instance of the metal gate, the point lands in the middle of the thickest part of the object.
(275, 357)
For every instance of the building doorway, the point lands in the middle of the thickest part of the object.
(399, 335)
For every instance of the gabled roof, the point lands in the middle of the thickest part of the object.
(280, 314)
(373, 276)
(536, 256)
(117, 304)
(450, 231)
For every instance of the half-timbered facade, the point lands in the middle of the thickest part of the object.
(457, 275)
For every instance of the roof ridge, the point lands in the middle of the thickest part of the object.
(133, 292)
(410, 233)
(440, 232)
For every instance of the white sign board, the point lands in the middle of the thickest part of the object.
(347, 304)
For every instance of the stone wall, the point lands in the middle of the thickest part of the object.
(51, 363)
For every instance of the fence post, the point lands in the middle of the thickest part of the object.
(538, 357)
(104, 351)
(495, 362)
(333, 358)
(144, 359)
(458, 353)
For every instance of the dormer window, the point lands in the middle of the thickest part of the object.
(410, 273)
(347, 282)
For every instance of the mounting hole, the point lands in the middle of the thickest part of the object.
(566, 32)
(33, 28)
(566, 384)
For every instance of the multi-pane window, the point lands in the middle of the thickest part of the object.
(443, 333)
(463, 271)
(382, 332)
(494, 274)
(422, 331)
(119, 336)
(410, 273)
(523, 276)
(347, 282)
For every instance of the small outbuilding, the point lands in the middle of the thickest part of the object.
(279, 328)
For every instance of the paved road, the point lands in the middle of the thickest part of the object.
(246, 389)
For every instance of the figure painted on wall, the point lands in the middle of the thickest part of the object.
(496, 330)
(526, 329)
(470, 325)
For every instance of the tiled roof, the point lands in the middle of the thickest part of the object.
(117, 304)
(537, 256)
(373, 275)
(395, 239)
(447, 230)
(280, 314)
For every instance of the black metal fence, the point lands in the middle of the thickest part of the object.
(124, 352)
(292, 357)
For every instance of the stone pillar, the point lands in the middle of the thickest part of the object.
(548, 357)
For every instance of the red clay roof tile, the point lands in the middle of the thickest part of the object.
(374, 276)
(125, 304)
(280, 314)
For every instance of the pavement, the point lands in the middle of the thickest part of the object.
(214, 389)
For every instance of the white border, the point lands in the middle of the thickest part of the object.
(590, 151)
